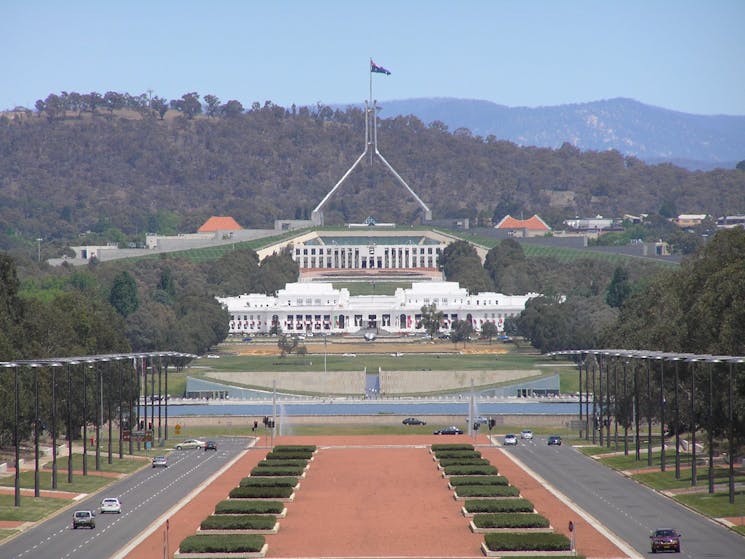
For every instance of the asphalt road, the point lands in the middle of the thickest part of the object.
(629, 510)
(145, 496)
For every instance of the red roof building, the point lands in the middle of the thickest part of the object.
(531, 227)
(219, 223)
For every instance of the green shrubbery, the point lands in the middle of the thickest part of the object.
(278, 471)
(498, 505)
(458, 481)
(510, 520)
(526, 542)
(289, 455)
(220, 543)
(260, 492)
(486, 491)
(238, 522)
(446, 454)
(282, 462)
(465, 461)
(295, 448)
(482, 470)
(247, 506)
(451, 446)
(269, 481)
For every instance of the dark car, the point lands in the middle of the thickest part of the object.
(210, 445)
(665, 540)
(452, 430)
(554, 440)
(413, 421)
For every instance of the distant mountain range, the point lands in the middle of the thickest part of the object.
(652, 134)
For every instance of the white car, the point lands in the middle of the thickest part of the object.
(526, 434)
(509, 440)
(190, 443)
(111, 504)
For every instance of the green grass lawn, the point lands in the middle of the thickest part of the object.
(32, 509)
(80, 483)
(125, 465)
(715, 505)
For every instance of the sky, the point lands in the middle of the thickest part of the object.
(683, 55)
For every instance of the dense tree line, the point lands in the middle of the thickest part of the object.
(115, 167)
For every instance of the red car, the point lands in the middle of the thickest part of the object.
(665, 540)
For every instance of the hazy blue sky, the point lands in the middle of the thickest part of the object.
(679, 54)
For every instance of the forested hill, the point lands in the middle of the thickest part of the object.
(103, 170)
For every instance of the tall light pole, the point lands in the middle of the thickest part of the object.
(38, 247)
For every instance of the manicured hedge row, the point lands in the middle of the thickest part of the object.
(270, 481)
(501, 505)
(486, 491)
(526, 542)
(482, 470)
(445, 454)
(260, 492)
(510, 520)
(458, 481)
(248, 506)
(278, 471)
(451, 446)
(289, 455)
(238, 522)
(219, 543)
(464, 462)
(282, 462)
(295, 448)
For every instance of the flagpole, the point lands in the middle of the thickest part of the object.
(368, 109)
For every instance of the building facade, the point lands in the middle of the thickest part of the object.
(319, 308)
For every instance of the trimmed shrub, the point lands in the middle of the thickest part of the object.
(270, 481)
(247, 506)
(486, 491)
(526, 542)
(446, 454)
(221, 543)
(482, 470)
(238, 522)
(464, 462)
(260, 492)
(457, 481)
(295, 455)
(510, 520)
(502, 505)
(451, 446)
(302, 463)
(278, 471)
(295, 448)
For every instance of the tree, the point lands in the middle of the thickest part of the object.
(188, 105)
(431, 320)
(160, 106)
(123, 296)
(213, 105)
(489, 331)
(619, 288)
(232, 109)
(461, 331)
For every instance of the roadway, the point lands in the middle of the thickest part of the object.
(626, 508)
(145, 495)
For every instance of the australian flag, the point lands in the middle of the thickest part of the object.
(378, 69)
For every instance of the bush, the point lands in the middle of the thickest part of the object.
(295, 448)
(220, 543)
(526, 542)
(451, 446)
(457, 481)
(487, 491)
(502, 505)
(270, 481)
(445, 454)
(246, 506)
(260, 492)
(464, 462)
(278, 471)
(281, 463)
(238, 522)
(510, 520)
(297, 455)
(482, 470)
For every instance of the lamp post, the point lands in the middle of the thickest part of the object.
(677, 419)
(35, 367)
(38, 246)
(662, 414)
(54, 423)
(635, 410)
(626, 412)
(692, 368)
(731, 433)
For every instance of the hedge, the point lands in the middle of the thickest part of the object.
(510, 520)
(270, 481)
(482, 470)
(295, 455)
(282, 462)
(507, 541)
(487, 491)
(501, 505)
(464, 462)
(260, 492)
(444, 454)
(238, 522)
(457, 481)
(451, 446)
(221, 543)
(247, 506)
(295, 448)
(279, 471)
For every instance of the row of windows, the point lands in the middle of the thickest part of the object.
(371, 250)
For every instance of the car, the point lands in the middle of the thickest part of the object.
(83, 518)
(160, 462)
(554, 440)
(509, 440)
(413, 421)
(111, 504)
(190, 443)
(526, 434)
(452, 430)
(480, 420)
(210, 445)
(665, 539)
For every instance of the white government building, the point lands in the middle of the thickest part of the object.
(318, 307)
